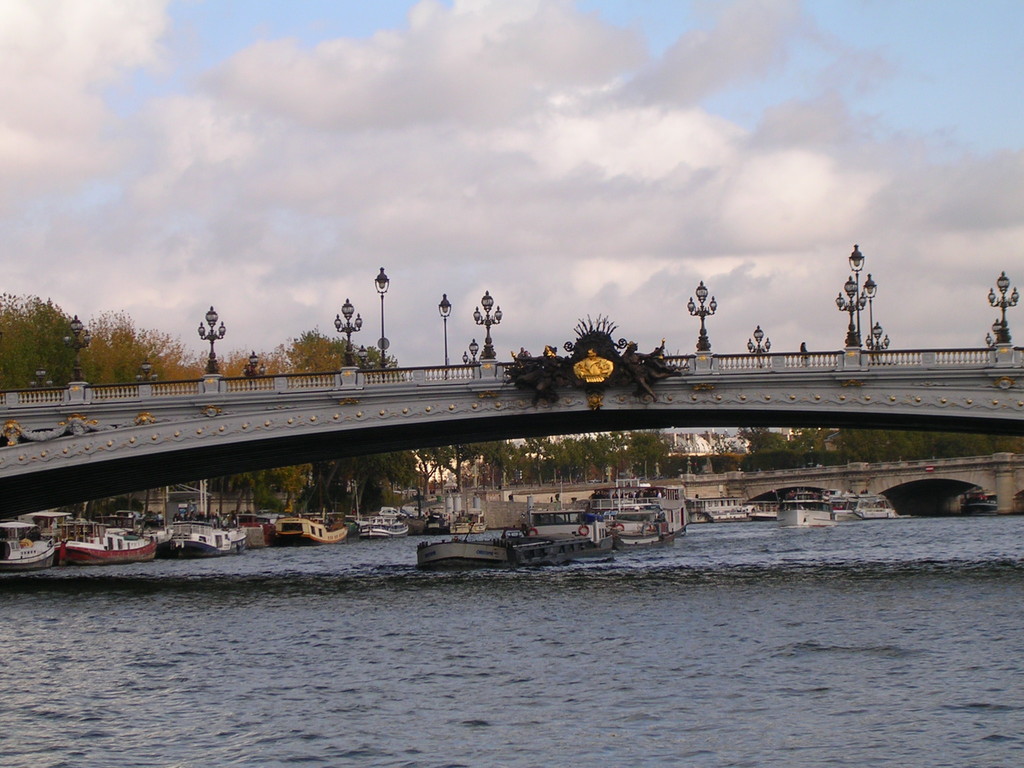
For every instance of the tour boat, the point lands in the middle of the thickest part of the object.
(203, 539)
(22, 548)
(548, 538)
(848, 506)
(805, 509)
(308, 531)
(722, 509)
(85, 542)
(383, 525)
(639, 515)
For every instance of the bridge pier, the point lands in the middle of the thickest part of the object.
(1006, 487)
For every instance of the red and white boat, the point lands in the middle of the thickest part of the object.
(83, 542)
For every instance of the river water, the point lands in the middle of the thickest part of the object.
(882, 643)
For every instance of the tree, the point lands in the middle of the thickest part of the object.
(34, 332)
(313, 352)
(118, 349)
(647, 453)
(762, 439)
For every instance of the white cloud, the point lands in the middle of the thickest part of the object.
(56, 57)
(523, 148)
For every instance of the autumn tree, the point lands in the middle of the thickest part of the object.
(118, 349)
(33, 339)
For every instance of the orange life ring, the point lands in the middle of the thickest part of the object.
(617, 527)
(533, 531)
(583, 530)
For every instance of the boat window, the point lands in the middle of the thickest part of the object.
(555, 518)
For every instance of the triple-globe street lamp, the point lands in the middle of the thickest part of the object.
(213, 335)
(40, 379)
(146, 372)
(702, 311)
(253, 367)
(1000, 327)
(348, 327)
(78, 340)
(487, 319)
(755, 346)
(473, 348)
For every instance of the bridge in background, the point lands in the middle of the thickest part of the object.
(914, 487)
(87, 441)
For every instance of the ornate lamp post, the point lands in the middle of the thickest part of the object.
(382, 283)
(145, 372)
(990, 340)
(473, 348)
(212, 335)
(856, 298)
(78, 340)
(699, 310)
(874, 340)
(348, 328)
(253, 368)
(362, 354)
(487, 320)
(41, 380)
(1001, 303)
(754, 345)
(445, 309)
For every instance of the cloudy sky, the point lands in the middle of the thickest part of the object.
(596, 157)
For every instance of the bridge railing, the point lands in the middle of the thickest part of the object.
(781, 363)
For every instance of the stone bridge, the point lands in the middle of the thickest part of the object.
(88, 441)
(914, 487)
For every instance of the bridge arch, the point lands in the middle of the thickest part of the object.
(86, 441)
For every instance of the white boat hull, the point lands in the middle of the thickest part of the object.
(26, 556)
(800, 517)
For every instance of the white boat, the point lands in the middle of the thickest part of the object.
(723, 509)
(860, 506)
(23, 548)
(383, 525)
(805, 509)
(761, 511)
(203, 539)
(639, 515)
(465, 524)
